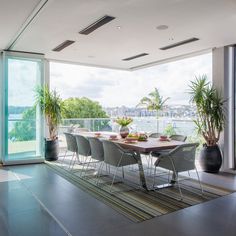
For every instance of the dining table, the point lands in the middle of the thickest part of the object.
(147, 146)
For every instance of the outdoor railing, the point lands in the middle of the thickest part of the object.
(25, 129)
(139, 124)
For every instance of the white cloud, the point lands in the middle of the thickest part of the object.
(117, 88)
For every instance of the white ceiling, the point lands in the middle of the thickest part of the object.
(13, 15)
(213, 21)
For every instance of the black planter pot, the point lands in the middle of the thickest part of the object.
(210, 159)
(51, 150)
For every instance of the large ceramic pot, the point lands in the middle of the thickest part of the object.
(51, 150)
(210, 159)
(124, 131)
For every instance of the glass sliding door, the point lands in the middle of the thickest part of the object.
(23, 122)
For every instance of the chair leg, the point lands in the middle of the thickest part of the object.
(89, 162)
(77, 156)
(64, 157)
(176, 178)
(154, 176)
(83, 166)
(113, 179)
(71, 161)
(114, 176)
(180, 191)
(123, 173)
(169, 176)
(151, 160)
(199, 180)
(99, 173)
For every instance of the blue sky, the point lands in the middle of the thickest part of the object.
(116, 88)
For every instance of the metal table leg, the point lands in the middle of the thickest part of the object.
(141, 172)
(167, 185)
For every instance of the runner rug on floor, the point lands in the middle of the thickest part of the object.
(136, 203)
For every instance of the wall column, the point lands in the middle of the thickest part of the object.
(223, 80)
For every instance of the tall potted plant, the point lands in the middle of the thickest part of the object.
(209, 122)
(50, 105)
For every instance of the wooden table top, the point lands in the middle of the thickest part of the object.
(152, 144)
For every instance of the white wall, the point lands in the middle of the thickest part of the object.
(223, 80)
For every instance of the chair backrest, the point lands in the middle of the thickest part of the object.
(96, 146)
(71, 142)
(82, 130)
(183, 157)
(116, 156)
(178, 137)
(155, 135)
(83, 145)
(112, 153)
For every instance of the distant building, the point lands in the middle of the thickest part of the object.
(171, 111)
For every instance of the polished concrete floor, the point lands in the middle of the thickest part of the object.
(35, 201)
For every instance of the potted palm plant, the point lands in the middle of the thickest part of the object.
(50, 105)
(209, 122)
(153, 102)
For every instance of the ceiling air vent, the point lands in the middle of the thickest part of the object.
(63, 45)
(100, 22)
(134, 57)
(179, 43)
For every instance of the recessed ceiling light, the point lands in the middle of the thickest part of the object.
(162, 27)
(63, 45)
(118, 27)
(190, 40)
(136, 56)
(97, 24)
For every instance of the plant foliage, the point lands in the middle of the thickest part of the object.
(82, 108)
(25, 129)
(154, 101)
(169, 130)
(124, 121)
(210, 109)
(51, 106)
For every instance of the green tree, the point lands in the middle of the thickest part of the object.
(25, 129)
(85, 108)
(82, 108)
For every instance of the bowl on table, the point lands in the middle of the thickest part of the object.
(97, 134)
(113, 137)
(163, 138)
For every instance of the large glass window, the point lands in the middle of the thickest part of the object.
(119, 92)
(23, 136)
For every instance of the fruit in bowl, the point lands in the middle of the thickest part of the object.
(142, 137)
(134, 136)
(131, 138)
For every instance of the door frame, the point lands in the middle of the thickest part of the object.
(5, 55)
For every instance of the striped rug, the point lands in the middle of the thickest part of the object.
(131, 200)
